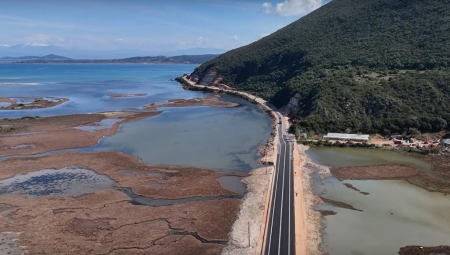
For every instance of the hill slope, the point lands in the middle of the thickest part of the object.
(354, 65)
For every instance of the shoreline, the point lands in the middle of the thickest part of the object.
(36, 103)
(206, 232)
(237, 247)
(417, 177)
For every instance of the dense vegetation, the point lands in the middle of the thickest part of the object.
(377, 66)
(184, 59)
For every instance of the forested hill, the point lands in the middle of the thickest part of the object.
(357, 65)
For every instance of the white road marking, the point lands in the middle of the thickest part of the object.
(282, 198)
(275, 198)
(290, 189)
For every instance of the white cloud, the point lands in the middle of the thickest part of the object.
(199, 41)
(293, 7)
(235, 37)
(267, 7)
(265, 34)
(5, 45)
(36, 44)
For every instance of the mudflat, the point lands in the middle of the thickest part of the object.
(127, 95)
(30, 135)
(201, 101)
(435, 181)
(106, 222)
(31, 103)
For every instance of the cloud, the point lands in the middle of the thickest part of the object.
(236, 38)
(199, 41)
(292, 7)
(36, 44)
(267, 7)
(265, 34)
(13, 20)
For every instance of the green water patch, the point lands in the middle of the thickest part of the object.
(391, 213)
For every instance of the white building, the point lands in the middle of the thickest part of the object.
(349, 137)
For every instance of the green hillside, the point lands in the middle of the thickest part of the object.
(378, 66)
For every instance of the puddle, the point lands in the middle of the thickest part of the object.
(8, 244)
(22, 100)
(49, 182)
(103, 124)
(4, 104)
(233, 183)
(18, 147)
(27, 133)
(52, 99)
(5, 207)
(146, 201)
(146, 174)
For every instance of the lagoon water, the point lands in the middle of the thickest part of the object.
(225, 139)
(88, 86)
(395, 213)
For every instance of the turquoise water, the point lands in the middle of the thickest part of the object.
(88, 86)
(225, 139)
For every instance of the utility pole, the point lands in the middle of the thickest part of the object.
(249, 234)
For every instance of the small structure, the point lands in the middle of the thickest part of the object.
(446, 142)
(347, 137)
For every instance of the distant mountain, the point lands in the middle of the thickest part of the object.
(32, 58)
(184, 59)
(375, 66)
(37, 49)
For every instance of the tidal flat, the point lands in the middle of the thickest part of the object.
(104, 170)
(378, 202)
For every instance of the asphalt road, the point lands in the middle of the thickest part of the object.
(280, 232)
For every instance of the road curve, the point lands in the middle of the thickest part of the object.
(280, 238)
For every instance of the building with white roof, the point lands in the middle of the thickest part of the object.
(349, 137)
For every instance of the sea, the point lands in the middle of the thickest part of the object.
(224, 139)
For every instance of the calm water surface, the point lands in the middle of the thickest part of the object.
(395, 213)
(226, 139)
(88, 86)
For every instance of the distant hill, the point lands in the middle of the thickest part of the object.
(33, 58)
(185, 59)
(377, 66)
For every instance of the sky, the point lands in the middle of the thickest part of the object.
(125, 28)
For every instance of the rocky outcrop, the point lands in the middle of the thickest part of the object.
(292, 106)
(210, 77)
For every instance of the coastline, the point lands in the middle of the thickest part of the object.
(302, 209)
(435, 180)
(191, 227)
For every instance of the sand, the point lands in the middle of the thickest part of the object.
(311, 225)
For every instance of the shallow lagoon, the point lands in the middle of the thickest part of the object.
(395, 213)
(225, 139)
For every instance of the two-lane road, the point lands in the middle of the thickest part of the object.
(280, 232)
